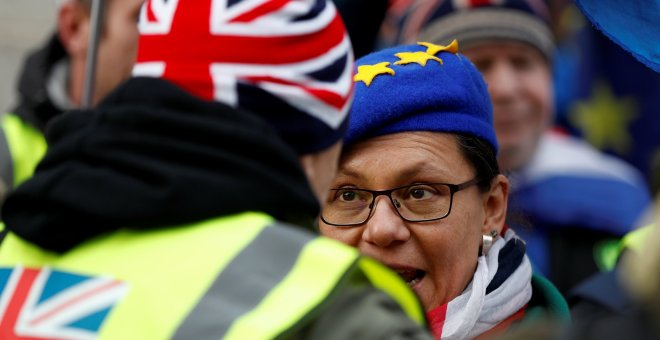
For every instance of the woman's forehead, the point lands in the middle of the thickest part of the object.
(404, 139)
(405, 155)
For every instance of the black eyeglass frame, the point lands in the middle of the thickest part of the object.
(453, 188)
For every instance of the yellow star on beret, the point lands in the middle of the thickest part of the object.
(433, 49)
(367, 73)
(415, 57)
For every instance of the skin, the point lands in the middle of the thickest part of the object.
(520, 86)
(321, 168)
(445, 250)
(117, 48)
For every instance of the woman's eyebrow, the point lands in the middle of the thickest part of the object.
(402, 175)
(348, 173)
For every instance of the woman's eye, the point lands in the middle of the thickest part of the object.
(420, 193)
(347, 196)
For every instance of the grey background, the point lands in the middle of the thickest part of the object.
(24, 25)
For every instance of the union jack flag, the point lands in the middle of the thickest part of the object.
(50, 304)
(254, 54)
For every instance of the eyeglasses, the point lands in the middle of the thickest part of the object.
(420, 202)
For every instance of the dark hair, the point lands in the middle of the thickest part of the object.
(484, 161)
(481, 156)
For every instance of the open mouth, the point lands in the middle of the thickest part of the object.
(411, 276)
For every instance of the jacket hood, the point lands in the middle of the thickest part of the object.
(34, 105)
(152, 156)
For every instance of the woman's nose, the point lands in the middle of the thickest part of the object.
(385, 228)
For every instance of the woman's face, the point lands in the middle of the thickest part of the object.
(436, 258)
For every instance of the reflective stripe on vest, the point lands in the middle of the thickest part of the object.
(305, 272)
(388, 281)
(26, 146)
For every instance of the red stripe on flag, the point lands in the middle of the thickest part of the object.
(15, 305)
(80, 297)
(476, 3)
(269, 6)
(331, 98)
(151, 17)
(328, 97)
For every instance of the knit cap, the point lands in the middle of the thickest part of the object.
(421, 87)
(289, 62)
(471, 22)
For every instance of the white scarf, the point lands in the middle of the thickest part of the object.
(475, 311)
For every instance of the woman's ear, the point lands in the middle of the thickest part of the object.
(495, 205)
(73, 27)
(321, 169)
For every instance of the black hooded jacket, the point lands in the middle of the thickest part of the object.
(152, 156)
(35, 107)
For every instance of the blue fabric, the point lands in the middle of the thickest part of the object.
(599, 204)
(634, 25)
(538, 249)
(59, 281)
(588, 60)
(602, 204)
(448, 97)
(91, 322)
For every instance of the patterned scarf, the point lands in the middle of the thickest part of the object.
(501, 287)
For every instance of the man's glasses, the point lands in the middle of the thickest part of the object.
(415, 203)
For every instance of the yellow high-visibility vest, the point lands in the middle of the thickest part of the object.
(21, 148)
(245, 276)
(635, 239)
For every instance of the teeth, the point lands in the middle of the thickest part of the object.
(412, 277)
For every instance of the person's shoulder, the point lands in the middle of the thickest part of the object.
(564, 155)
(546, 302)
(363, 312)
(600, 291)
(594, 190)
(546, 314)
(601, 308)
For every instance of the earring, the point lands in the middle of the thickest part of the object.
(487, 242)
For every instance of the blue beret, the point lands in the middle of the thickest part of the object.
(422, 87)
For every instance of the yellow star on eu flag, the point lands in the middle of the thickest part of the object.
(604, 119)
(433, 49)
(367, 73)
(415, 57)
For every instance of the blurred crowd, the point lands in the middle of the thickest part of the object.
(347, 169)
